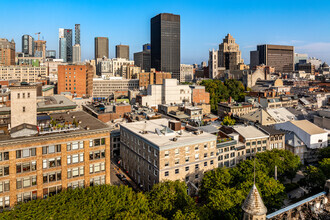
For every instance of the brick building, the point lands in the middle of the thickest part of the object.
(75, 78)
(150, 78)
(199, 95)
(7, 52)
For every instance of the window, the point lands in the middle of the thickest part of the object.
(205, 164)
(75, 172)
(211, 162)
(52, 177)
(220, 158)
(247, 151)
(96, 155)
(23, 108)
(205, 146)
(97, 142)
(196, 166)
(28, 95)
(196, 147)
(253, 143)
(232, 154)
(96, 167)
(166, 173)
(247, 143)
(4, 156)
(187, 159)
(27, 196)
(26, 182)
(4, 170)
(25, 153)
(176, 171)
(26, 167)
(212, 154)
(259, 142)
(205, 155)
(187, 168)
(176, 151)
(196, 156)
(99, 180)
(166, 153)
(166, 164)
(177, 161)
(264, 142)
(75, 158)
(51, 191)
(196, 176)
(52, 162)
(18, 95)
(51, 149)
(77, 184)
(75, 145)
(187, 149)
(4, 186)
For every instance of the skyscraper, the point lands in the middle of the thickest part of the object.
(229, 53)
(76, 53)
(28, 45)
(40, 48)
(68, 37)
(165, 43)
(101, 47)
(122, 51)
(77, 34)
(62, 45)
(142, 59)
(278, 56)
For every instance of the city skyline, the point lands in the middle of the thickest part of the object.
(203, 25)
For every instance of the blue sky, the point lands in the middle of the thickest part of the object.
(304, 24)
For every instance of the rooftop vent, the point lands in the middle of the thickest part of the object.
(174, 139)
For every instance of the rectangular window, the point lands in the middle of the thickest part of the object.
(166, 173)
(166, 154)
(196, 166)
(176, 171)
(187, 168)
(205, 164)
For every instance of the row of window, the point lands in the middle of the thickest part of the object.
(26, 182)
(27, 196)
(254, 143)
(96, 155)
(31, 152)
(4, 202)
(253, 150)
(52, 162)
(51, 149)
(52, 177)
(187, 168)
(4, 186)
(75, 158)
(96, 167)
(51, 191)
(4, 156)
(26, 167)
(187, 149)
(75, 172)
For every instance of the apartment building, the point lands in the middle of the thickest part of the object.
(276, 137)
(27, 74)
(234, 109)
(44, 155)
(160, 149)
(104, 87)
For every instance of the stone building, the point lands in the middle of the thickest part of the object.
(253, 206)
(229, 54)
(161, 149)
(27, 74)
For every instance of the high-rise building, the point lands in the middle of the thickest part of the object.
(165, 41)
(7, 52)
(229, 53)
(68, 37)
(40, 48)
(77, 34)
(142, 59)
(76, 53)
(28, 45)
(101, 47)
(62, 45)
(51, 54)
(77, 79)
(213, 63)
(278, 56)
(122, 51)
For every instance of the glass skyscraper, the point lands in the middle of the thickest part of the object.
(165, 43)
(28, 45)
(77, 34)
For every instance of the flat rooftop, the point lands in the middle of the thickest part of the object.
(308, 127)
(85, 121)
(250, 132)
(158, 134)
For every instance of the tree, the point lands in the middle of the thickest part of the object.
(325, 167)
(314, 179)
(228, 121)
(167, 198)
(287, 163)
(324, 152)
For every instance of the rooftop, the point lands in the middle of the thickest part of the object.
(281, 115)
(270, 130)
(308, 127)
(249, 132)
(158, 134)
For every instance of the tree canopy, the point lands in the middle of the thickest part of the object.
(220, 92)
(227, 120)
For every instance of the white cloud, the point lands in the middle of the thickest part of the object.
(318, 49)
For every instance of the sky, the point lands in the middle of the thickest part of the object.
(204, 23)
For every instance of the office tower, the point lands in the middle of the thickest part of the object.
(7, 52)
(299, 58)
(278, 56)
(101, 47)
(62, 45)
(40, 48)
(27, 45)
(76, 53)
(77, 34)
(122, 51)
(229, 53)
(68, 37)
(142, 59)
(51, 54)
(165, 42)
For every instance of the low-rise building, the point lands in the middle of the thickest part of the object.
(234, 109)
(27, 74)
(157, 150)
(104, 87)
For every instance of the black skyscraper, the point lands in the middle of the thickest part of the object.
(68, 37)
(165, 43)
(77, 34)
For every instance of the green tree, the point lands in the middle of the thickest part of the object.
(325, 167)
(287, 163)
(167, 198)
(228, 121)
(324, 152)
(314, 179)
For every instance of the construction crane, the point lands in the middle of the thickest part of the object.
(38, 35)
